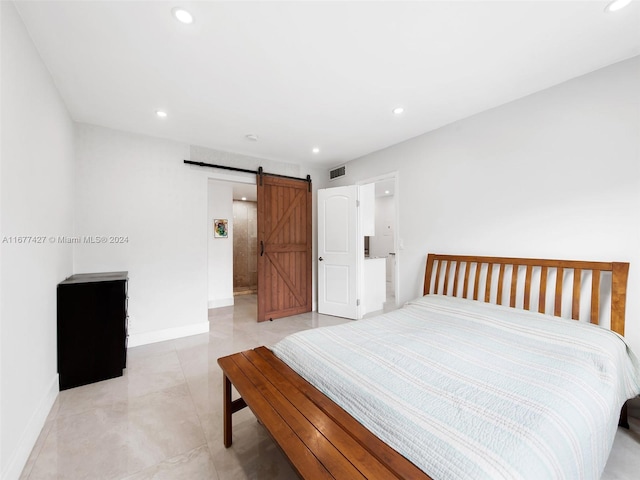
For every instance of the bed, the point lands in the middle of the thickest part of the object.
(479, 378)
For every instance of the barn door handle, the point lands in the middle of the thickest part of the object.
(261, 248)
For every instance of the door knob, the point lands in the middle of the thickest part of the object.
(321, 259)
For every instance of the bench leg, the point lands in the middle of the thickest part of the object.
(227, 412)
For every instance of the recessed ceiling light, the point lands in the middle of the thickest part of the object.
(161, 114)
(398, 110)
(315, 150)
(616, 5)
(386, 192)
(244, 199)
(251, 137)
(182, 15)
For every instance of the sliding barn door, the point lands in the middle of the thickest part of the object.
(284, 247)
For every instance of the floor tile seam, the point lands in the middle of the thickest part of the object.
(192, 398)
(168, 459)
(44, 440)
(199, 416)
(151, 354)
(115, 404)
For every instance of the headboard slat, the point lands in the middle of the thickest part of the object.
(543, 290)
(595, 297)
(446, 278)
(619, 274)
(465, 288)
(500, 281)
(476, 282)
(514, 285)
(455, 280)
(557, 304)
(527, 287)
(575, 306)
(487, 288)
(437, 284)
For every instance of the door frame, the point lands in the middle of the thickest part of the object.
(394, 175)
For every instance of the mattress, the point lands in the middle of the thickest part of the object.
(469, 390)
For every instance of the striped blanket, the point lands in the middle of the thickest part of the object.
(468, 390)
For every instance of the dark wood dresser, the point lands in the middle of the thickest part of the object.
(92, 328)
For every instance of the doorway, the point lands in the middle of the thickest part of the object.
(384, 244)
(245, 239)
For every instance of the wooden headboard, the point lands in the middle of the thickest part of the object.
(471, 276)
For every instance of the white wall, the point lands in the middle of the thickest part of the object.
(36, 172)
(552, 175)
(220, 250)
(138, 187)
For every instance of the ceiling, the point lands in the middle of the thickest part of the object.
(315, 74)
(385, 188)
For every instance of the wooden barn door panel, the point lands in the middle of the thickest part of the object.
(284, 247)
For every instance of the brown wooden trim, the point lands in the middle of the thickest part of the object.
(595, 297)
(476, 283)
(542, 299)
(620, 272)
(535, 262)
(514, 284)
(487, 287)
(446, 278)
(527, 287)
(557, 304)
(500, 282)
(427, 276)
(575, 304)
(436, 286)
(455, 280)
(465, 287)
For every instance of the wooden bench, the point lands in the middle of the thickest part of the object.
(318, 437)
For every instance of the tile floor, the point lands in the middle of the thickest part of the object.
(163, 418)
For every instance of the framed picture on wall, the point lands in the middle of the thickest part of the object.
(220, 228)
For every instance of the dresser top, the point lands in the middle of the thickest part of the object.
(95, 277)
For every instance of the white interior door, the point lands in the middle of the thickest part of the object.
(339, 252)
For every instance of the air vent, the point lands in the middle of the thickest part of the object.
(337, 172)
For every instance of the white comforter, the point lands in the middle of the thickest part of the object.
(467, 390)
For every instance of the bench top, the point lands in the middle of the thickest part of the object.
(319, 438)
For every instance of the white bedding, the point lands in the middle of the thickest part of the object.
(468, 390)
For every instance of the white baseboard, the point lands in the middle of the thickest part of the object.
(19, 457)
(221, 302)
(137, 339)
